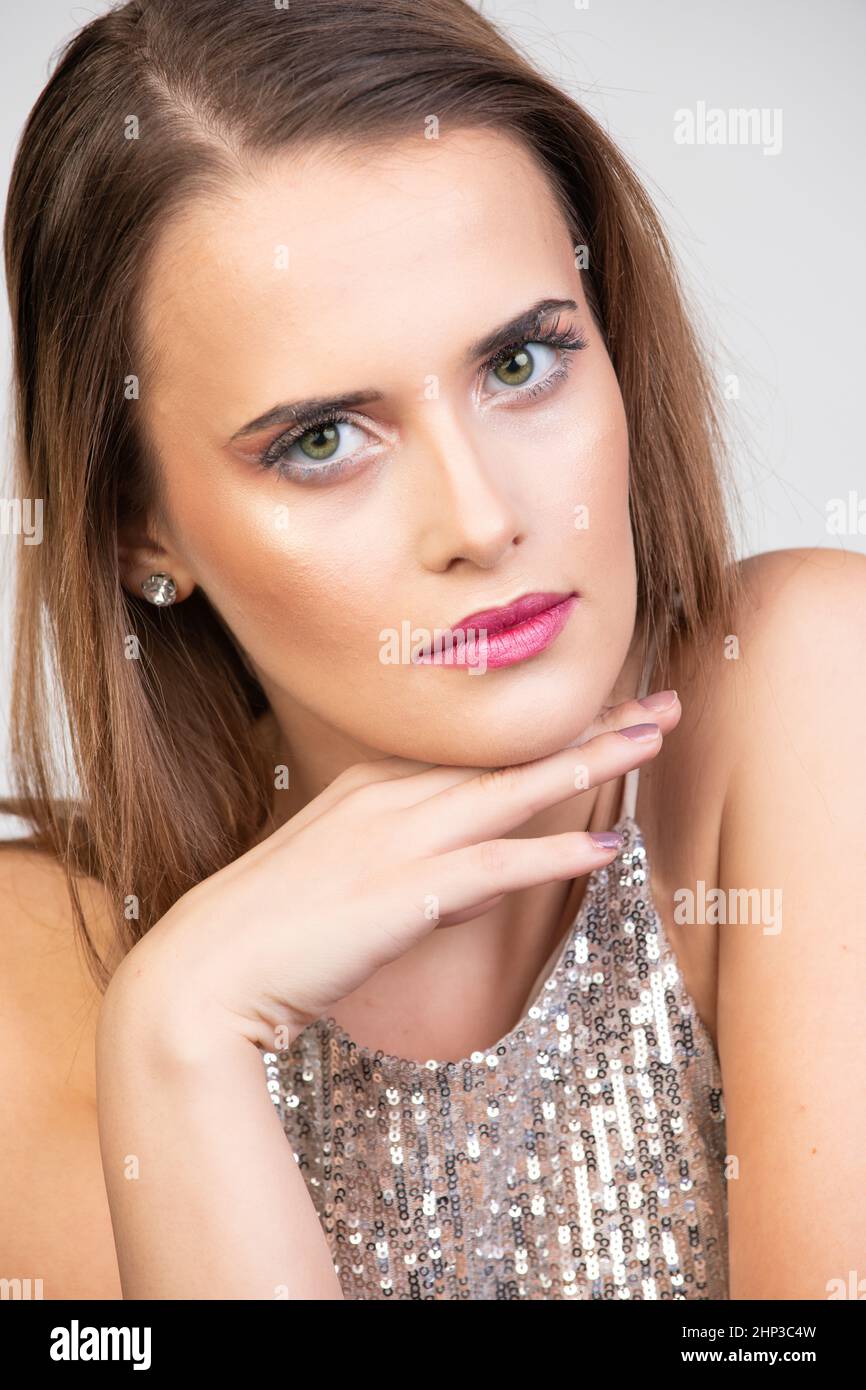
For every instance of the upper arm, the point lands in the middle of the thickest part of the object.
(54, 1218)
(791, 990)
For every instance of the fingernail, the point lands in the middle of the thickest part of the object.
(606, 839)
(642, 732)
(661, 699)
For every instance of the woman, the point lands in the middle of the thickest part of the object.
(344, 339)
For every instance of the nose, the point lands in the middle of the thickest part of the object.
(465, 509)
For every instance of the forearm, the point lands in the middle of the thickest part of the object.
(206, 1198)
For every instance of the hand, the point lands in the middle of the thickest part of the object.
(390, 850)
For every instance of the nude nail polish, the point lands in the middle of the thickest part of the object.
(659, 700)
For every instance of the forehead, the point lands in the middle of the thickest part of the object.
(318, 247)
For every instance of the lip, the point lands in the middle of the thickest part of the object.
(513, 633)
(511, 615)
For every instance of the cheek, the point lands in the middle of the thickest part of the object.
(604, 556)
(291, 587)
(593, 472)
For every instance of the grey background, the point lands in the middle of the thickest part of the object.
(770, 246)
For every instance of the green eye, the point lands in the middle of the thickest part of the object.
(324, 440)
(318, 442)
(518, 364)
(517, 369)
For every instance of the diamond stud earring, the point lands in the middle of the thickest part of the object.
(159, 589)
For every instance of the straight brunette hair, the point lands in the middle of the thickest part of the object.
(154, 104)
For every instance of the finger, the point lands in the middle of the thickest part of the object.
(466, 878)
(455, 918)
(662, 707)
(376, 770)
(501, 798)
(414, 781)
(437, 778)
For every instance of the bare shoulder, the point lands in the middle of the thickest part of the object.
(54, 1219)
(751, 762)
(800, 605)
(782, 733)
(50, 998)
(800, 624)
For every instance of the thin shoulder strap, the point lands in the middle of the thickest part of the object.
(629, 791)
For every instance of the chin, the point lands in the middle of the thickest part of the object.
(498, 742)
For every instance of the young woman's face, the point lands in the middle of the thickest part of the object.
(450, 485)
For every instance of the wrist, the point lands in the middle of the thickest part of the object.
(144, 1019)
(151, 1006)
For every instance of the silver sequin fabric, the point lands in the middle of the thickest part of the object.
(581, 1157)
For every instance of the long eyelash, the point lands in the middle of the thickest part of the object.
(283, 442)
(553, 336)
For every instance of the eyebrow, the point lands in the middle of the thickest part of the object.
(517, 330)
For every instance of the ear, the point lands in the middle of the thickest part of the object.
(140, 554)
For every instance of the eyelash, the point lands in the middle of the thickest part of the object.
(554, 336)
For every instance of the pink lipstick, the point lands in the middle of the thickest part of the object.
(503, 636)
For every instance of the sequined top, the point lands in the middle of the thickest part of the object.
(581, 1157)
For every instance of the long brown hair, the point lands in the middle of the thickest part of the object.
(150, 105)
